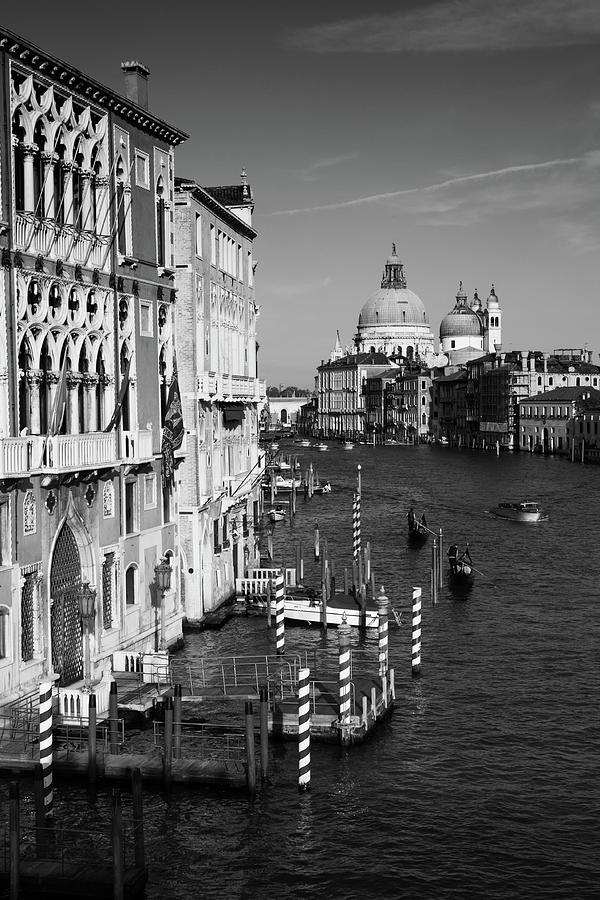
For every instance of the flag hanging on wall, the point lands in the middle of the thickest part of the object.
(173, 430)
(116, 416)
(60, 401)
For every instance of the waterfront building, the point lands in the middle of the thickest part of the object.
(219, 481)
(394, 321)
(544, 419)
(87, 508)
(398, 402)
(497, 382)
(583, 431)
(341, 392)
(283, 411)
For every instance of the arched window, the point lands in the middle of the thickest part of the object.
(59, 181)
(131, 585)
(160, 223)
(19, 161)
(25, 364)
(121, 210)
(39, 139)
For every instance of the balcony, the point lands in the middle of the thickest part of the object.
(136, 445)
(241, 388)
(20, 456)
(46, 237)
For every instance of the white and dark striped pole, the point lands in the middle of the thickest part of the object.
(416, 632)
(382, 612)
(304, 730)
(356, 528)
(46, 744)
(344, 669)
(280, 613)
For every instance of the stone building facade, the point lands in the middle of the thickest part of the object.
(219, 481)
(86, 314)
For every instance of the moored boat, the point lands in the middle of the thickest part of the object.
(276, 514)
(347, 445)
(524, 511)
(321, 447)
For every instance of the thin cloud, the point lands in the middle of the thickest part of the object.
(459, 26)
(314, 171)
(507, 171)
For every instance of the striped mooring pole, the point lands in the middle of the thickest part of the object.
(416, 632)
(46, 744)
(304, 730)
(356, 527)
(382, 612)
(344, 669)
(280, 613)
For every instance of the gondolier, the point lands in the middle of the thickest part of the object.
(453, 558)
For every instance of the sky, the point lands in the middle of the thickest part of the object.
(464, 131)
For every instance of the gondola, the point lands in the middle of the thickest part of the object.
(417, 533)
(460, 579)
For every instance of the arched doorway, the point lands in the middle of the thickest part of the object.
(65, 617)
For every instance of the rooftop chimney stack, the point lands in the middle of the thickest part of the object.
(136, 82)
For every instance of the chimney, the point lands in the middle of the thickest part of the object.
(136, 82)
(546, 355)
(523, 361)
(532, 363)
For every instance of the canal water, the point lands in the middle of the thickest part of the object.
(484, 782)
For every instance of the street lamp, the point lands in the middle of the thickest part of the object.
(162, 574)
(87, 609)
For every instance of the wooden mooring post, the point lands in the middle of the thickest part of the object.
(168, 745)
(113, 715)
(118, 857)
(92, 739)
(177, 721)
(139, 849)
(264, 732)
(250, 754)
(434, 571)
(304, 730)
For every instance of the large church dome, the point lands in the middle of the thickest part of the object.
(394, 320)
(393, 303)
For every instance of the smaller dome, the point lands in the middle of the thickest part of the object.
(462, 321)
(492, 300)
(461, 294)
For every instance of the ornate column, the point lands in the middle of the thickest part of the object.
(89, 387)
(67, 197)
(29, 151)
(51, 383)
(34, 379)
(73, 381)
(109, 398)
(38, 621)
(48, 167)
(4, 417)
(86, 200)
(102, 197)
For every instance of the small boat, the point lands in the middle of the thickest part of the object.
(276, 514)
(525, 511)
(347, 445)
(418, 533)
(322, 488)
(274, 447)
(444, 441)
(304, 443)
(321, 447)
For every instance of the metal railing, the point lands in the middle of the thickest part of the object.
(207, 741)
(236, 672)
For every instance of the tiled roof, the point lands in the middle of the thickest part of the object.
(563, 395)
(231, 194)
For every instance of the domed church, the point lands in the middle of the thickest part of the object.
(393, 321)
(468, 330)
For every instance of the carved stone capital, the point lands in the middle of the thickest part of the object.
(52, 377)
(90, 381)
(74, 379)
(102, 181)
(34, 377)
(29, 149)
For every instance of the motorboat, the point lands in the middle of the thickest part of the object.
(322, 447)
(524, 511)
(322, 488)
(347, 445)
(304, 443)
(276, 514)
(287, 483)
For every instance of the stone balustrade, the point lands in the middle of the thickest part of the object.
(50, 239)
(215, 386)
